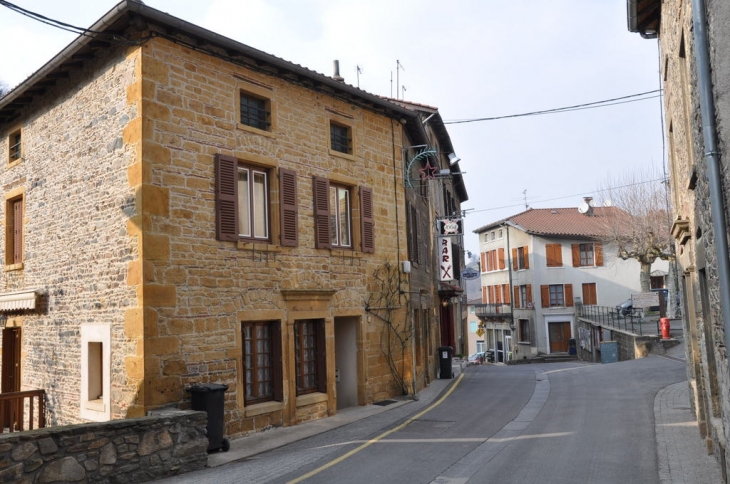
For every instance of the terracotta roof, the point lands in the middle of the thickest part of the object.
(562, 222)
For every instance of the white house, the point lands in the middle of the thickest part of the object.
(536, 265)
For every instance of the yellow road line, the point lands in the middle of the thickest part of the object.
(379, 437)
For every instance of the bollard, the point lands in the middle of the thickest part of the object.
(664, 327)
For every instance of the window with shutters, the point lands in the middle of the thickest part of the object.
(587, 254)
(414, 251)
(243, 205)
(589, 294)
(309, 355)
(262, 361)
(333, 216)
(554, 255)
(340, 217)
(520, 258)
(523, 296)
(14, 231)
(556, 295)
(15, 146)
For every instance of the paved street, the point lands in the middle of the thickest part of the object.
(561, 422)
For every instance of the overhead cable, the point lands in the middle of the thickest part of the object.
(577, 107)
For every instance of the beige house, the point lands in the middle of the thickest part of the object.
(181, 209)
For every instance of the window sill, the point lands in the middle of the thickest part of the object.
(525, 343)
(13, 267)
(251, 129)
(340, 154)
(15, 162)
(349, 253)
(257, 246)
(311, 399)
(95, 405)
(262, 408)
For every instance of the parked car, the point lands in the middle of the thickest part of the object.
(625, 308)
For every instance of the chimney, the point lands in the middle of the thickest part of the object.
(588, 200)
(337, 76)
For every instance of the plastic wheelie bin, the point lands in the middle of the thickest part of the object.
(209, 397)
(446, 354)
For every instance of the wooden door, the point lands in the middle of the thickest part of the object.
(10, 378)
(559, 335)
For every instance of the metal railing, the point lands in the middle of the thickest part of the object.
(13, 406)
(486, 310)
(632, 321)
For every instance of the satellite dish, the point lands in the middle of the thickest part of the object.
(607, 202)
(584, 207)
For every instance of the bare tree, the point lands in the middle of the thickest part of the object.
(4, 89)
(641, 229)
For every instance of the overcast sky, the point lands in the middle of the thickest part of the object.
(470, 58)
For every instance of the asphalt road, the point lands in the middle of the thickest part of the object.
(559, 422)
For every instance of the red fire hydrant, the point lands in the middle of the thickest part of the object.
(664, 327)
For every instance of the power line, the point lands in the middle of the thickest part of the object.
(577, 107)
(568, 196)
(67, 27)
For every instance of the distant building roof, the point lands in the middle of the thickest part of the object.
(561, 222)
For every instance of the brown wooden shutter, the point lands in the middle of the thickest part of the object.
(288, 208)
(514, 259)
(321, 360)
(505, 289)
(528, 290)
(526, 255)
(367, 220)
(492, 297)
(18, 231)
(569, 295)
(226, 194)
(484, 294)
(554, 255)
(483, 267)
(322, 239)
(516, 297)
(545, 296)
(500, 251)
(589, 293)
(598, 247)
(411, 227)
(278, 374)
(575, 251)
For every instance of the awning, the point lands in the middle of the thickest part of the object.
(14, 301)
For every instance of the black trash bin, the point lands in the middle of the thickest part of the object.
(571, 346)
(209, 397)
(446, 354)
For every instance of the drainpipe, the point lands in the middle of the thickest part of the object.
(709, 134)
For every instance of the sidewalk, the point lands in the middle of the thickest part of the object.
(682, 456)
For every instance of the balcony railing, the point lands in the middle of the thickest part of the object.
(493, 310)
(22, 411)
(632, 321)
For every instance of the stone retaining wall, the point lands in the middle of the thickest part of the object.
(133, 450)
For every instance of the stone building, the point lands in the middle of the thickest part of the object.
(182, 208)
(695, 51)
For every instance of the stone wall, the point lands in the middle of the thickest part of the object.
(133, 450)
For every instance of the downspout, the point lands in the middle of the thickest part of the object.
(511, 290)
(709, 134)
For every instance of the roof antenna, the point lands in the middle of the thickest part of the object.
(524, 194)
(359, 71)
